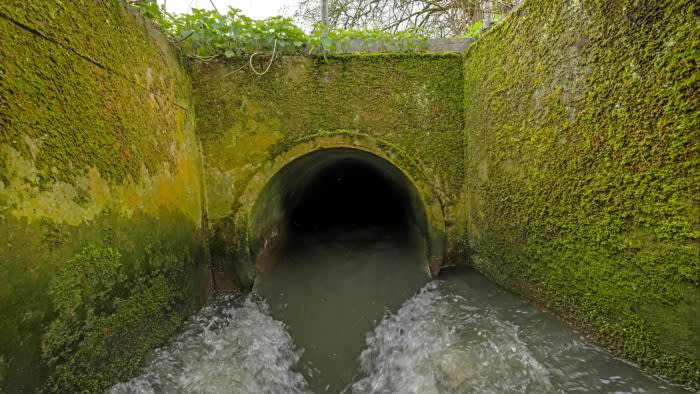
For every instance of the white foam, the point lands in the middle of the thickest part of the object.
(228, 347)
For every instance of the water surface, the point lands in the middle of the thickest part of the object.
(357, 313)
(332, 289)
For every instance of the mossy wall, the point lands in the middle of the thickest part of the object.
(565, 143)
(412, 102)
(582, 135)
(99, 194)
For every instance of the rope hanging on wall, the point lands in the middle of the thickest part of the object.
(272, 58)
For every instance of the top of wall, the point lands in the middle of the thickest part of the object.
(435, 45)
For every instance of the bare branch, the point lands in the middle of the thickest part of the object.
(441, 17)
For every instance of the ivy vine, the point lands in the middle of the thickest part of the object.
(208, 34)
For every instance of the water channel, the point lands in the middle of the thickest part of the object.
(356, 313)
(348, 306)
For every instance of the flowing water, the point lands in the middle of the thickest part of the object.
(357, 313)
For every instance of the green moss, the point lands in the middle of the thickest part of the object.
(583, 170)
(128, 263)
(106, 322)
(64, 91)
(98, 148)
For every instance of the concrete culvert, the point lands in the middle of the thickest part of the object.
(344, 239)
(337, 192)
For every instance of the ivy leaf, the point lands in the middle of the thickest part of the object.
(205, 32)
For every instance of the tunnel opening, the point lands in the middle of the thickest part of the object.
(335, 194)
(340, 238)
(346, 196)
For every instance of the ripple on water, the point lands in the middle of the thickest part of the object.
(459, 335)
(464, 335)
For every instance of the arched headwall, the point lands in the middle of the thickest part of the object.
(261, 210)
(407, 102)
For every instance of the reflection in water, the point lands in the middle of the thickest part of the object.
(359, 318)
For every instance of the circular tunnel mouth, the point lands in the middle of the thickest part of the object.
(336, 194)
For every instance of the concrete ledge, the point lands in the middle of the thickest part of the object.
(437, 45)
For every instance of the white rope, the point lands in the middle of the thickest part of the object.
(250, 61)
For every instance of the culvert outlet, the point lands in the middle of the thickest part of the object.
(337, 192)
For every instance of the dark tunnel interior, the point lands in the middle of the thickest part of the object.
(348, 195)
(338, 199)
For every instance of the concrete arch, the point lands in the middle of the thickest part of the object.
(261, 211)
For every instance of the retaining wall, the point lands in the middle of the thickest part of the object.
(582, 135)
(99, 194)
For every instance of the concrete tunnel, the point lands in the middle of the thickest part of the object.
(338, 190)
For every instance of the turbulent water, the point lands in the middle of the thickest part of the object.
(230, 346)
(347, 331)
(462, 335)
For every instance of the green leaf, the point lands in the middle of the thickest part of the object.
(205, 32)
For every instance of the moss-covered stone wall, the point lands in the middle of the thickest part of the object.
(409, 105)
(99, 194)
(582, 135)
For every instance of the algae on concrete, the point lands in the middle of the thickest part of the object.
(582, 136)
(100, 204)
(406, 103)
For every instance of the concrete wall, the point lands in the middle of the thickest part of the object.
(564, 143)
(406, 108)
(99, 194)
(582, 135)
(434, 45)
